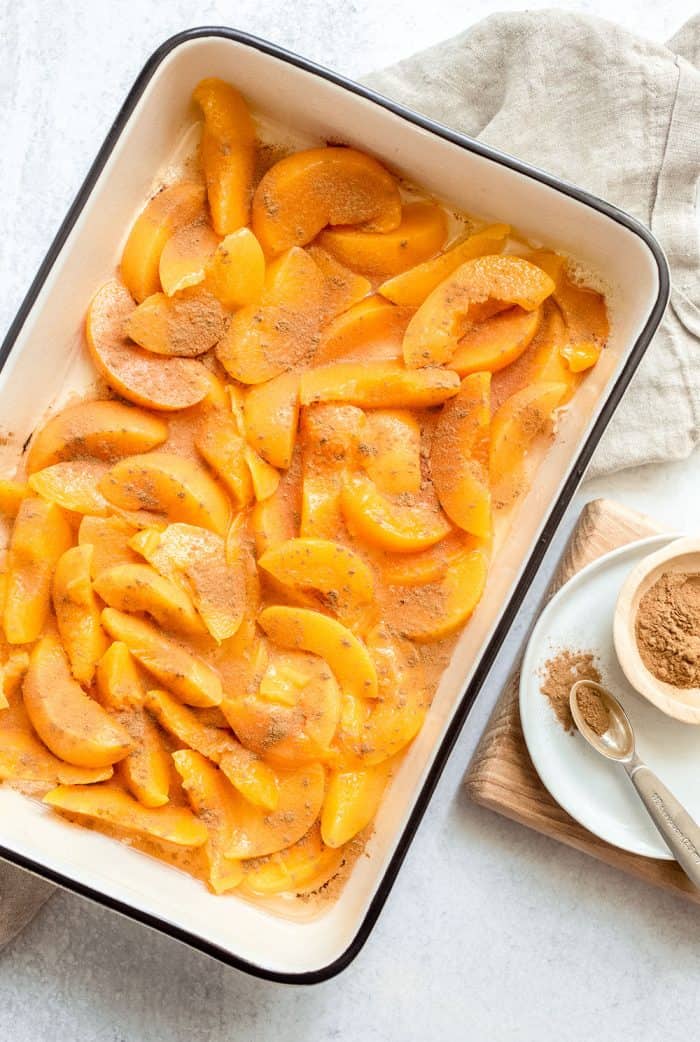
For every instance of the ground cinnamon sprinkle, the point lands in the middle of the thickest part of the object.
(667, 629)
(560, 674)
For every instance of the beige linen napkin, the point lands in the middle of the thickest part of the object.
(618, 115)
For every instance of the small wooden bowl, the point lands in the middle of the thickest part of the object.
(682, 555)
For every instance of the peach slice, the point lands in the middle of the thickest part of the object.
(391, 451)
(423, 566)
(387, 524)
(377, 385)
(139, 588)
(176, 205)
(434, 332)
(331, 436)
(185, 256)
(459, 456)
(78, 612)
(40, 535)
(166, 384)
(276, 519)
(371, 331)
(222, 445)
(351, 801)
(195, 559)
(420, 235)
(336, 571)
(294, 715)
(495, 343)
(305, 866)
(212, 799)
(168, 484)
(445, 607)
(227, 152)
(73, 726)
(183, 326)
(514, 426)
(118, 680)
(12, 673)
(105, 430)
(257, 832)
(586, 319)
(412, 287)
(236, 272)
(271, 412)
(304, 192)
(23, 758)
(73, 485)
(306, 630)
(188, 676)
(11, 495)
(112, 806)
(264, 477)
(109, 538)
(344, 288)
(282, 330)
(253, 778)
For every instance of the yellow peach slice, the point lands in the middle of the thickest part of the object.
(227, 152)
(264, 477)
(459, 456)
(166, 384)
(195, 559)
(23, 758)
(258, 832)
(112, 806)
(495, 343)
(73, 726)
(104, 430)
(387, 524)
(391, 451)
(168, 484)
(212, 799)
(514, 426)
(419, 236)
(139, 588)
(344, 288)
(12, 673)
(336, 571)
(586, 320)
(78, 612)
(185, 257)
(273, 520)
(11, 495)
(423, 566)
(281, 331)
(351, 801)
(109, 538)
(236, 272)
(73, 485)
(40, 535)
(301, 629)
(331, 436)
(271, 416)
(371, 331)
(184, 673)
(118, 680)
(179, 204)
(222, 445)
(182, 326)
(293, 717)
(305, 866)
(434, 331)
(306, 191)
(377, 385)
(446, 606)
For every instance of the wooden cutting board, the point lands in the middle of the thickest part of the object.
(501, 775)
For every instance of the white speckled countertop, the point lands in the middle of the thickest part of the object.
(491, 933)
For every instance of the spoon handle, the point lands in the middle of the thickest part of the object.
(671, 819)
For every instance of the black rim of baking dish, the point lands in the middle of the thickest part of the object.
(489, 654)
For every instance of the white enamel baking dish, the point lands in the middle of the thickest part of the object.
(42, 361)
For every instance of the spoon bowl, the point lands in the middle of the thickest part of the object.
(617, 742)
(681, 555)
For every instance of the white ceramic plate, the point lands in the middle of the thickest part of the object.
(594, 791)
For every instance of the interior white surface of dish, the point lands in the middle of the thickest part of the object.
(48, 362)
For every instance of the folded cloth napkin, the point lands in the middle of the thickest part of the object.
(620, 116)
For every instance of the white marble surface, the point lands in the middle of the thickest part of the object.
(492, 932)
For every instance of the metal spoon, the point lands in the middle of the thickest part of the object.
(674, 823)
